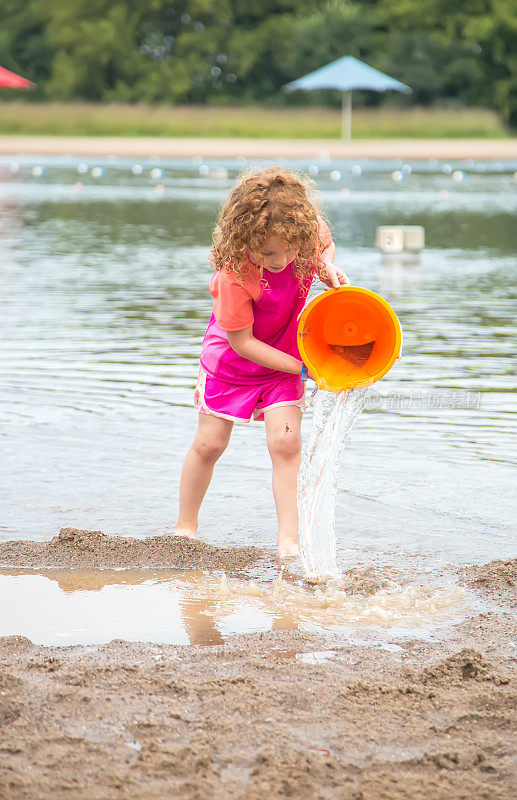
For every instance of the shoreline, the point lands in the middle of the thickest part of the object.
(261, 715)
(155, 147)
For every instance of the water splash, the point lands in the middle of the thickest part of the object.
(334, 418)
(392, 604)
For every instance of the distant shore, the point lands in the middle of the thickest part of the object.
(147, 147)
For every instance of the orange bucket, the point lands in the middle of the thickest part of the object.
(349, 337)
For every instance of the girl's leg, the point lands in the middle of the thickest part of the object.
(210, 442)
(284, 441)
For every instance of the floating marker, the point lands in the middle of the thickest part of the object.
(414, 238)
(446, 169)
(98, 172)
(37, 172)
(406, 169)
(389, 238)
(324, 156)
(397, 175)
(14, 167)
(458, 175)
(218, 173)
(159, 188)
(156, 174)
(204, 169)
(82, 169)
(313, 170)
(355, 169)
(78, 186)
(137, 169)
(335, 175)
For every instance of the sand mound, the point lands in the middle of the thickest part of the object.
(74, 548)
(468, 665)
(498, 579)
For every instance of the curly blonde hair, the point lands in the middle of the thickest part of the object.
(271, 203)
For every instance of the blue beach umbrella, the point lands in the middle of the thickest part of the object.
(346, 74)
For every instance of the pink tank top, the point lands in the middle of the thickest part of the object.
(275, 322)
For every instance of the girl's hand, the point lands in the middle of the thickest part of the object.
(333, 277)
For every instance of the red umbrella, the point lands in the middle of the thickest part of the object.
(10, 80)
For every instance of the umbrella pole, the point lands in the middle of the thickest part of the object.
(346, 116)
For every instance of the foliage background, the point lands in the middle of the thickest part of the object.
(241, 51)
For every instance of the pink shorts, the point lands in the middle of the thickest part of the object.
(241, 403)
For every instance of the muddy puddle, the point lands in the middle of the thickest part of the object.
(70, 607)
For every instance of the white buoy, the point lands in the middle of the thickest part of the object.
(406, 169)
(397, 175)
(335, 175)
(14, 168)
(396, 239)
(446, 169)
(355, 169)
(204, 169)
(458, 175)
(137, 169)
(38, 171)
(218, 173)
(389, 239)
(156, 174)
(313, 170)
(98, 172)
(82, 169)
(414, 238)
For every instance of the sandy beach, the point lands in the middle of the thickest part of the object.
(279, 714)
(258, 148)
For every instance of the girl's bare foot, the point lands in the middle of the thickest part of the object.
(287, 546)
(185, 530)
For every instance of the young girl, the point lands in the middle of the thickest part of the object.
(268, 245)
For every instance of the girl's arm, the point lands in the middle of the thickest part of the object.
(245, 345)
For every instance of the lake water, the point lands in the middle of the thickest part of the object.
(104, 304)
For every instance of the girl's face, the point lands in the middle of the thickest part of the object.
(275, 254)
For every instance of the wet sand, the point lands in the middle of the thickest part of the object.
(80, 549)
(254, 717)
(145, 147)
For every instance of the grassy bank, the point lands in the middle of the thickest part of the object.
(88, 119)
